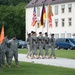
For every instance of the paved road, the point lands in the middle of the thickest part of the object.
(63, 62)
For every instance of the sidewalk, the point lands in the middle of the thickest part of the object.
(63, 62)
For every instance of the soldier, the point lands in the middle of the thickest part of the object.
(4, 50)
(52, 41)
(29, 45)
(13, 45)
(34, 43)
(40, 44)
(46, 44)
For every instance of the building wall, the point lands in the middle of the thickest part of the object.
(66, 31)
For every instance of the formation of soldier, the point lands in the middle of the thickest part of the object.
(36, 45)
(8, 50)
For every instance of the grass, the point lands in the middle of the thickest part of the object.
(37, 69)
(59, 53)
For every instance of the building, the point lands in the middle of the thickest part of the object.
(63, 19)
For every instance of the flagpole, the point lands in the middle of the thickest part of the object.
(47, 20)
(43, 19)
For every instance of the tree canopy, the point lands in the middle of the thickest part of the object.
(12, 16)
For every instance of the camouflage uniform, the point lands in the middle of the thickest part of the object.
(46, 43)
(52, 41)
(13, 45)
(34, 44)
(29, 45)
(4, 50)
(40, 44)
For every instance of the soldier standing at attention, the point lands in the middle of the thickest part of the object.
(52, 42)
(40, 44)
(13, 45)
(46, 44)
(29, 45)
(4, 50)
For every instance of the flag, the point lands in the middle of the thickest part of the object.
(34, 18)
(2, 35)
(43, 15)
(50, 14)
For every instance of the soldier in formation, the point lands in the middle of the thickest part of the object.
(52, 41)
(37, 45)
(29, 45)
(46, 44)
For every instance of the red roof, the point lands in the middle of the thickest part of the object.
(39, 2)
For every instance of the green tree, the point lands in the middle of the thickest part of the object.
(13, 18)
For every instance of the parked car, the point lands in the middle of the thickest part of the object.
(65, 43)
(22, 44)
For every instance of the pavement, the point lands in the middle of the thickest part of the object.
(63, 62)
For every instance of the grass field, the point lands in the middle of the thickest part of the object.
(36, 69)
(39, 69)
(59, 53)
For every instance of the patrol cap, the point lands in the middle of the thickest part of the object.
(29, 34)
(32, 31)
(45, 33)
(40, 32)
(5, 35)
(14, 35)
(52, 34)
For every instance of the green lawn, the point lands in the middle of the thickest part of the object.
(36, 69)
(59, 53)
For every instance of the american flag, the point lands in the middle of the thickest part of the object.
(34, 18)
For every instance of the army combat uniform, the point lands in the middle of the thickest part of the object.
(40, 44)
(34, 44)
(46, 45)
(52, 41)
(4, 51)
(13, 45)
(29, 45)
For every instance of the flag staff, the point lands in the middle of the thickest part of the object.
(43, 1)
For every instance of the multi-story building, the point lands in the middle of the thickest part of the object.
(63, 19)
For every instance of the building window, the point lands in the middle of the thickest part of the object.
(63, 8)
(62, 35)
(56, 10)
(70, 21)
(68, 35)
(38, 12)
(56, 36)
(56, 22)
(63, 22)
(69, 7)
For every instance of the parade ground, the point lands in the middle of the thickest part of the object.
(63, 62)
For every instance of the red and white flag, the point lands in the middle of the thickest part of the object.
(34, 18)
(50, 14)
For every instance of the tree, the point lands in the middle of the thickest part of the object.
(13, 18)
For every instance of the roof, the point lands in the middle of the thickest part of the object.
(39, 2)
